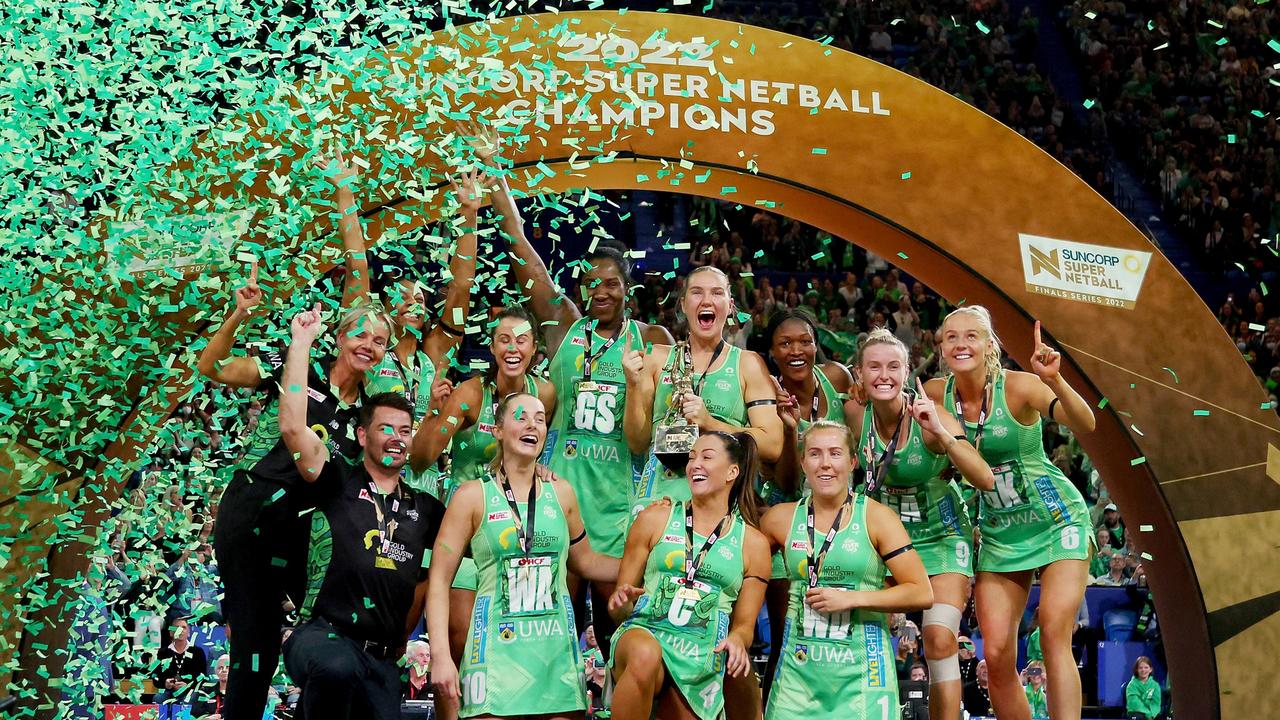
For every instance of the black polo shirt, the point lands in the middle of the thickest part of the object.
(265, 455)
(369, 586)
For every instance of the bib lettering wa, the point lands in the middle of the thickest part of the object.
(522, 611)
(585, 444)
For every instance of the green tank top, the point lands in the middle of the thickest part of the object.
(414, 380)
(853, 643)
(585, 444)
(522, 611)
(474, 447)
(689, 619)
(770, 493)
(1031, 493)
(722, 393)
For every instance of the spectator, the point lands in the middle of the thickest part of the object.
(977, 698)
(1142, 693)
(179, 664)
(1115, 576)
(1034, 680)
(1114, 524)
(1101, 561)
(968, 659)
(207, 703)
(417, 656)
(914, 694)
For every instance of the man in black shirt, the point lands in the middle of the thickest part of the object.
(179, 665)
(344, 659)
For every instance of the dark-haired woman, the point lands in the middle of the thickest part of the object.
(524, 529)
(691, 584)
(585, 342)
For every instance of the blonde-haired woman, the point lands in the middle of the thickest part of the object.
(261, 536)
(1034, 519)
(905, 444)
(523, 527)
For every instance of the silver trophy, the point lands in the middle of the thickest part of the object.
(673, 438)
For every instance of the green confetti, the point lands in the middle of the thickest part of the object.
(906, 175)
(982, 27)
(1137, 461)
(819, 151)
(1088, 103)
(1200, 413)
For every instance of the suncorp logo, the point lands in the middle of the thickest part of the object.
(1077, 271)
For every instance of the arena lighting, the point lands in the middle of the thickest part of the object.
(878, 158)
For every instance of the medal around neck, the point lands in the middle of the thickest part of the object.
(673, 438)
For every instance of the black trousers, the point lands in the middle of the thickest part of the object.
(261, 545)
(338, 678)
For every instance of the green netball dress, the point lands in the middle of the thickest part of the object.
(770, 493)
(1034, 516)
(413, 379)
(585, 444)
(929, 506)
(689, 619)
(834, 665)
(473, 450)
(521, 656)
(721, 390)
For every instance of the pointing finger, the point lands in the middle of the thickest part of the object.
(1038, 342)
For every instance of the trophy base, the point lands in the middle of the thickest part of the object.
(672, 445)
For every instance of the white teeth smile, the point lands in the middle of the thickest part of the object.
(796, 363)
(963, 356)
(698, 477)
(529, 439)
(512, 361)
(884, 386)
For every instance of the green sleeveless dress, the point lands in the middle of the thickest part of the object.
(473, 449)
(686, 628)
(521, 656)
(770, 494)
(722, 392)
(585, 444)
(835, 666)
(929, 506)
(1034, 516)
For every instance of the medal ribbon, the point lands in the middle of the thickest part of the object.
(691, 563)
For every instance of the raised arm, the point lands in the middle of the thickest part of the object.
(786, 471)
(762, 412)
(438, 428)
(215, 361)
(642, 371)
(355, 289)
(309, 451)
(446, 335)
(583, 561)
(459, 524)
(551, 306)
(742, 625)
(1071, 409)
(943, 433)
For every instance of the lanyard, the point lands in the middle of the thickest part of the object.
(697, 385)
(523, 533)
(589, 358)
(410, 381)
(878, 467)
(386, 529)
(815, 561)
(691, 563)
(982, 414)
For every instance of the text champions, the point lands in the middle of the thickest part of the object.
(651, 97)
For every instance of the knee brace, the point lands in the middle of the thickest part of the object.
(945, 669)
(947, 616)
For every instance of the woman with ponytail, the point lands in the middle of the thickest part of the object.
(906, 446)
(1034, 519)
(691, 584)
